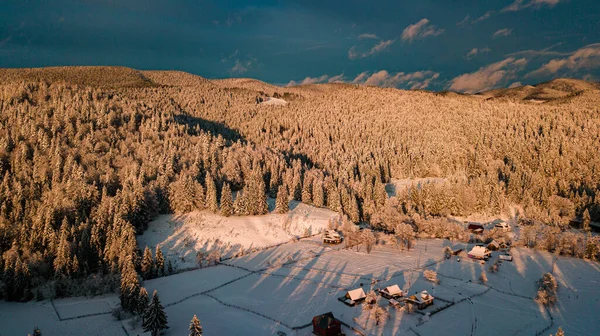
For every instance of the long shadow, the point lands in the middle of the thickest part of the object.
(214, 128)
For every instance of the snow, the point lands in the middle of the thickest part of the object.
(275, 101)
(182, 236)
(277, 288)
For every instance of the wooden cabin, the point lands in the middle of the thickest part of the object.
(353, 297)
(326, 325)
(420, 300)
(391, 292)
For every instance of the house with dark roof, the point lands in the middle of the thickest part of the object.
(326, 325)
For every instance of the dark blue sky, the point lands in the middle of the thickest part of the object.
(463, 45)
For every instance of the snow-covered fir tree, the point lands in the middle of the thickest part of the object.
(195, 327)
(155, 319)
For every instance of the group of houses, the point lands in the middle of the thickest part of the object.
(327, 325)
(393, 293)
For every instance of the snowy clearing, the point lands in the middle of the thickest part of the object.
(182, 236)
(275, 101)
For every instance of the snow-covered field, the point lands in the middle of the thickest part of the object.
(182, 236)
(279, 289)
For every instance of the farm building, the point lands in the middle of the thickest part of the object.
(479, 252)
(326, 325)
(354, 297)
(332, 237)
(391, 292)
(493, 245)
(475, 228)
(421, 300)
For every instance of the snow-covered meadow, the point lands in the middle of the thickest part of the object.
(281, 285)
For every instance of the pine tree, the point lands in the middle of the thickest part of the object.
(147, 264)
(36, 332)
(63, 253)
(318, 195)
(585, 224)
(560, 332)
(380, 195)
(130, 286)
(211, 194)
(226, 201)
(155, 318)
(142, 301)
(282, 203)
(195, 327)
(160, 262)
(307, 191)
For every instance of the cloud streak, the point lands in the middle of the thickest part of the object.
(475, 51)
(584, 58)
(535, 4)
(318, 80)
(379, 47)
(414, 80)
(488, 77)
(502, 33)
(420, 30)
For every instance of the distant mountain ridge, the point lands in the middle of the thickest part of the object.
(117, 77)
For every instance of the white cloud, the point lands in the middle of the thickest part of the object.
(382, 45)
(367, 36)
(483, 17)
(515, 85)
(488, 77)
(584, 58)
(420, 30)
(413, 80)
(241, 67)
(502, 33)
(535, 4)
(464, 21)
(318, 80)
(475, 51)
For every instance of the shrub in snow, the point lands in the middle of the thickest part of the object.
(483, 277)
(431, 276)
(495, 267)
(447, 252)
(546, 294)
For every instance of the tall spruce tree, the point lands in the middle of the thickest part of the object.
(147, 266)
(160, 262)
(143, 302)
(226, 201)
(130, 286)
(282, 203)
(155, 319)
(211, 194)
(307, 190)
(318, 195)
(195, 327)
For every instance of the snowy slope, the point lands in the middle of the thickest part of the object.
(181, 236)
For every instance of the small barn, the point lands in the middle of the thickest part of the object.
(332, 237)
(326, 325)
(479, 252)
(493, 245)
(391, 292)
(475, 228)
(421, 300)
(354, 297)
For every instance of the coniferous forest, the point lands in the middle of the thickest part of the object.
(89, 156)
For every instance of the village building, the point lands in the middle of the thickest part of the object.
(332, 237)
(420, 300)
(479, 252)
(475, 228)
(354, 297)
(391, 292)
(326, 325)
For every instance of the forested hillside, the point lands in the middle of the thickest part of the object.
(88, 156)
